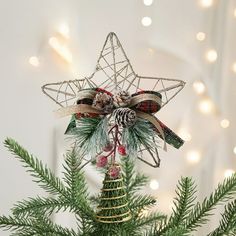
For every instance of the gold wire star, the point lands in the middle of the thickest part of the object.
(113, 73)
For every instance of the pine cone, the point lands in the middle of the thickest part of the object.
(124, 117)
(122, 99)
(103, 102)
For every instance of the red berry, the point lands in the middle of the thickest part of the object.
(101, 161)
(114, 172)
(108, 147)
(122, 150)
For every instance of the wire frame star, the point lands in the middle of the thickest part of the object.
(114, 72)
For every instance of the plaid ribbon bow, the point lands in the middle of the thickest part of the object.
(145, 103)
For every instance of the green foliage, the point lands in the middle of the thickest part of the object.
(41, 174)
(140, 134)
(33, 216)
(228, 222)
(91, 134)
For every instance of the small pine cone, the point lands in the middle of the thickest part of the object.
(124, 117)
(122, 99)
(103, 102)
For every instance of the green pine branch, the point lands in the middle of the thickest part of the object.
(201, 212)
(227, 224)
(133, 181)
(41, 174)
(183, 203)
(39, 204)
(26, 226)
(77, 192)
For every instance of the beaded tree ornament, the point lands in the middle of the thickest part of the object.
(113, 108)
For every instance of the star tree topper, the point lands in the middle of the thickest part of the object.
(113, 73)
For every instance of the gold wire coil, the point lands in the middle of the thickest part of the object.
(116, 221)
(115, 207)
(113, 180)
(115, 216)
(111, 198)
(112, 189)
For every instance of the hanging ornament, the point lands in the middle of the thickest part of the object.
(113, 207)
(103, 102)
(101, 161)
(124, 117)
(114, 171)
(122, 99)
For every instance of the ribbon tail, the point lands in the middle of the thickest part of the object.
(170, 136)
(152, 119)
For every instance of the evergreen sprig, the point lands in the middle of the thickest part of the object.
(183, 204)
(140, 134)
(201, 212)
(91, 134)
(41, 173)
(228, 222)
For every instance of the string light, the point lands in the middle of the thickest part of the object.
(34, 61)
(184, 134)
(211, 55)
(206, 106)
(224, 123)
(234, 150)
(228, 173)
(146, 21)
(154, 184)
(148, 2)
(61, 49)
(64, 30)
(234, 67)
(200, 36)
(199, 87)
(206, 3)
(193, 156)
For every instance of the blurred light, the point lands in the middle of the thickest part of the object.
(224, 123)
(34, 61)
(206, 106)
(234, 67)
(61, 49)
(184, 134)
(64, 30)
(199, 87)
(228, 173)
(154, 184)
(146, 21)
(235, 12)
(151, 50)
(211, 55)
(200, 36)
(193, 156)
(148, 2)
(206, 3)
(234, 150)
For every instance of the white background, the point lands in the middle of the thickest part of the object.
(167, 48)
